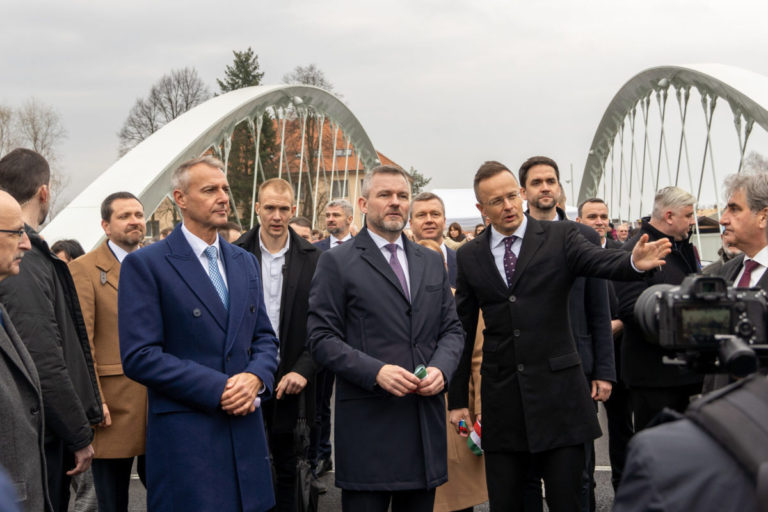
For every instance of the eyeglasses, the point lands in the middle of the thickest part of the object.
(499, 201)
(18, 232)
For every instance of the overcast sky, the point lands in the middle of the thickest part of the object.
(438, 85)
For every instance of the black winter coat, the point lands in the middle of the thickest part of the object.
(641, 360)
(42, 303)
(300, 262)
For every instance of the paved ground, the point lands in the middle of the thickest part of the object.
(331, 501)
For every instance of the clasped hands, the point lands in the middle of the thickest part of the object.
(400, 382)
(240, 393)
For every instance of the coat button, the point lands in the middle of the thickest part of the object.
(520, 368)
(516, 333)
(196, 312)
(253, 308)
(512, 298)
(34, 410)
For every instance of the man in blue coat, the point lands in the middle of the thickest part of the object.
(194, 330)
(379, 307)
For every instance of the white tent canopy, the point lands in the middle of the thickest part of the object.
(459, 206)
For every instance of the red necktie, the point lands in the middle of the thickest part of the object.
(749, 266)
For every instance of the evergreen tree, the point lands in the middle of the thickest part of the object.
(244, 72)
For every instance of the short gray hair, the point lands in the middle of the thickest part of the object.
(180, 178)
(427, 196)
(755, 187)
(341, 203)
(670, 198)
(382, 169)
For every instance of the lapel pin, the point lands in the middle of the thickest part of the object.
(196, 312)
(103, 277)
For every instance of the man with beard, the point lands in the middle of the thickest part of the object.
(42, 302)
(537, 410)
(338, 220)
(652, 384)
(589, 308)
(380, 308)
(120, 437)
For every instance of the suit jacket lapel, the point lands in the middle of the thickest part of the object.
(12, 348)
(108, 265)
(195, 277)
(294, 264)
(415, 267)
(372, 255)
(238, 290)
(487, 262)
(532, 240)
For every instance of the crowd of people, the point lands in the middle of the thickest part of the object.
(466, 365)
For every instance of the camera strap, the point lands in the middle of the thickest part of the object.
(737, 418)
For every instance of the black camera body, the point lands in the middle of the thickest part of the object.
(704, 320)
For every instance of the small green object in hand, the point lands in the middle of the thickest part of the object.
(420, 371)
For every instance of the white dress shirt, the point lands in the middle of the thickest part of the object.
(498, 247)
(118, 251)
(272, 266)
(762, 259)
(382, 242)
(199, 246)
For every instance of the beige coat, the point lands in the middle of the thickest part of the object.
(96, 275)
(466, 471)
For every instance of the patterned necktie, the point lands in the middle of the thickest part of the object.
(395, 264)
(510, 260)
(749, 266)
(215, 275)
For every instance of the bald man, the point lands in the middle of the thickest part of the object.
(21, 450)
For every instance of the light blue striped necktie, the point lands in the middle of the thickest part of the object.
(215, 275)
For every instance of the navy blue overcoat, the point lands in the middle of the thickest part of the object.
(177, 338)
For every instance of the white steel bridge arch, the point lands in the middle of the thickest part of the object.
(146, 170)
(745, 92)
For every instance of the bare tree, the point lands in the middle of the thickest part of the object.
(39, 127)
(309, 75)
(8, 134)
(36, 125)
(168, 98)
(755, 162)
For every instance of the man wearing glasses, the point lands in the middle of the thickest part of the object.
(43, 304)
(537, 410)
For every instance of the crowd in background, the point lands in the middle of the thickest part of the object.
(207, 357)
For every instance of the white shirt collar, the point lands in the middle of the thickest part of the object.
(381, 241)
(118, 251)
(498, 239)
(265, 251)
(761, 257)
(340, 240)
(198, 244)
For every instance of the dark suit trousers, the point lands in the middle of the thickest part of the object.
(112, 478)
(618, 410)
(508, 474)
(320, 439)
(421, 500)
(284, 460)
(58, 461)
(648, 402)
